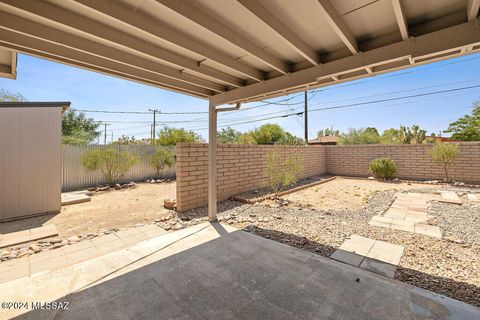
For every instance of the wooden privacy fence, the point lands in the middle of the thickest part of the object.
(75, 176)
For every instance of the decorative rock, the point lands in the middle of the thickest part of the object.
(125, 186)
(166, 227)
(152, 181)
(169, 204)
(54, 241)
(160, 181)
(139, 225)
(178, 226)
(73, 239)
(118, 186)
(371, 178)
(105, 188)
(132, 184)
(35, 248)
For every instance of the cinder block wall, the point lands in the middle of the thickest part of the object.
(243, 167)
(413, 161)
(240, 168)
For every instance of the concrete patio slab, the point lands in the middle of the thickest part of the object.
(386, 252)
(379, 267)
(472, 197)
(381, 256)
(211, 271)
(347, 257)
(19, 237)
(380, 221)
(69, 198)
(431, 231)
(449, 197)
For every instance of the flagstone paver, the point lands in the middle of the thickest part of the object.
(75, 253)
(409, 210)
(472, 197)
(370, 254)
(450, 197)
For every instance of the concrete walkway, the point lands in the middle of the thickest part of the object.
(212, 271)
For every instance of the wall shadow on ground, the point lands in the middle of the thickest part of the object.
(458, 290)
(25, 224)
(230, 276)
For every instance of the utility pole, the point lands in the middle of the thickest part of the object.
(105, 133)
(154, 122)
(305, 116)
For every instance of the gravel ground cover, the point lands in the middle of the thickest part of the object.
(450, 266)
(459, 222)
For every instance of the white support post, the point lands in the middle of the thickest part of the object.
(212, 162)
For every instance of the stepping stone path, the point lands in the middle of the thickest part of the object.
(449, 197)
(472, 197)
(409, 213)
(373, 255)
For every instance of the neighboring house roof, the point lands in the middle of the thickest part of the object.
(50, 104)
(325, 140)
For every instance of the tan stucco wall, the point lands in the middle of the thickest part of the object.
(30, 161)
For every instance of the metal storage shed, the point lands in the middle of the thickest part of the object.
(30, 158)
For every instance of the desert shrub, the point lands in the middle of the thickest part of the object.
(163, 157)
(444, 154)
(112, 162)
(282, 174)
(384, 168)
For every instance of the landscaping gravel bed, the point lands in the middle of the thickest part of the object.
(459, 222)
(444, 266)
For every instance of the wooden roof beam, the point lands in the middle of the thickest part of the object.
(282, 30)
(401, 19)
(336, 22)
(210, 23)
(114, 9)
(472, 9)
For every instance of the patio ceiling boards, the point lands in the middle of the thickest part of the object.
(231, 51)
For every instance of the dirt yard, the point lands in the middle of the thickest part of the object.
(343, 193)
(106, 210)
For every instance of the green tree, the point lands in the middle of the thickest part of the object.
(228, 135)
(268, 134)
(444, 154)
(246, 138)
(467, 128)
(327, 132)
(163, 157)
(8, 96)
(290, 139)
(112, 162)
(390, 136)
(78, 129)
(360, 136)
(171, 136)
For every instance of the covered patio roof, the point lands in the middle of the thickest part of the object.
(232, 51)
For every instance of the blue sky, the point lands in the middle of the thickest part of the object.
(42, 80)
